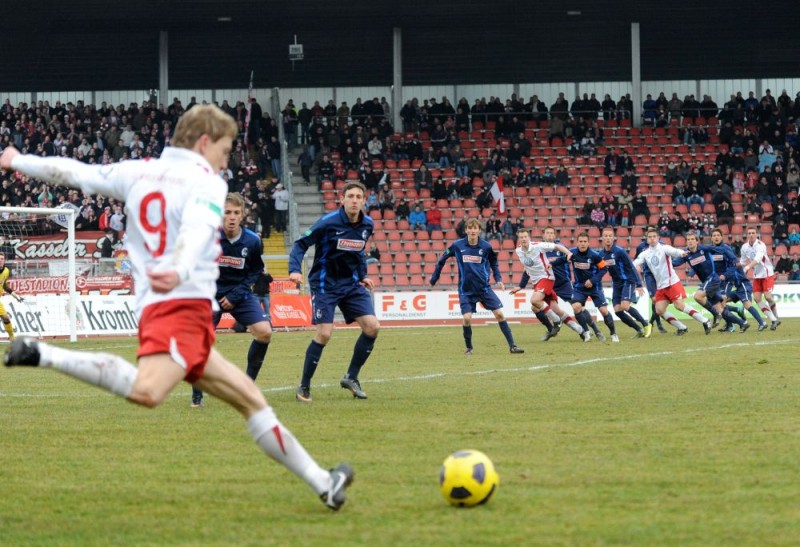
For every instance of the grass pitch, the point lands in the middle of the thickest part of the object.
(666, 441)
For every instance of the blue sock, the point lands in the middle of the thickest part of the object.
(731, 318)
(255, 358)
(544, 320)
(710, 308)
(582, 320)
(467, 336)
(313, 355)
(609, 321)
(361, 352)
(627, 319)
(507, 332)
(757, 314)
(590, 321)
(636, 315)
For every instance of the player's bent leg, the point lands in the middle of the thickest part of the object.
(226, 381)
(158, 375)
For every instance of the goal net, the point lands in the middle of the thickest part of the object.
(67, 288)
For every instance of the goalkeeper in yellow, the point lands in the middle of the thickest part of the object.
(5, 273)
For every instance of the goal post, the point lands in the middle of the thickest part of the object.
(47, 308)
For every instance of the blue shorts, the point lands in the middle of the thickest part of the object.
(469, 302)
(354, 301)
(580, 294)
(623, 292)
(564, 291)
(741, 291)
(247, 312)
(711, 287)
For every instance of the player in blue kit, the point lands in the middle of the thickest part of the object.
(701, 261)
(338, 277)
(735, 284)
(626, 284)
(239, 266)
(588, 269)
(475, 259)
(563, 284)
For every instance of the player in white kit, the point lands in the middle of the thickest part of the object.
(755, 257)
(174, 209)
(538, 269)
(669, 288)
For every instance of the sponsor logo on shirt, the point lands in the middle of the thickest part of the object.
(697, 260)
(582, 265)
(350, 244)
(231, 262)
(473, 259)
(610, 261)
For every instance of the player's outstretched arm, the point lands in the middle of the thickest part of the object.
(93, 179)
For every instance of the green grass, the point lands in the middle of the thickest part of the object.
(685, 441)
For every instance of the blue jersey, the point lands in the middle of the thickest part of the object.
(725, 261)
(620, 266)
(239, 265)
(339, 259)
(645, 270)
(474, 264)
(587, 266)
(558, 261)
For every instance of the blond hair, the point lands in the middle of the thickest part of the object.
(235, 199)
(203, 120)
(473, 222)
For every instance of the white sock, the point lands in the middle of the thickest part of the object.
(571, 322)
(553, 316)
(279, 444)
(672, 320)
(768, 313)
(774, 308)
(694, 314)
(105, 370)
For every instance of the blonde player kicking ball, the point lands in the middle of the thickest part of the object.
(544, 300)
(756, 258)
(174, 206)
(669, 289)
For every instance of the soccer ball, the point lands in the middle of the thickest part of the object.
(468, 478)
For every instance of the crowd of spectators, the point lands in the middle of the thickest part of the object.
(757, 159)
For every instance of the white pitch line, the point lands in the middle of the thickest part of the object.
(437, 375)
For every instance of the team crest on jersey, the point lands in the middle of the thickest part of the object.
(350, 244)
(244, 252)
(473, 259)
(654, 260)
(528, 261)
(364, 235)
(480, 252)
